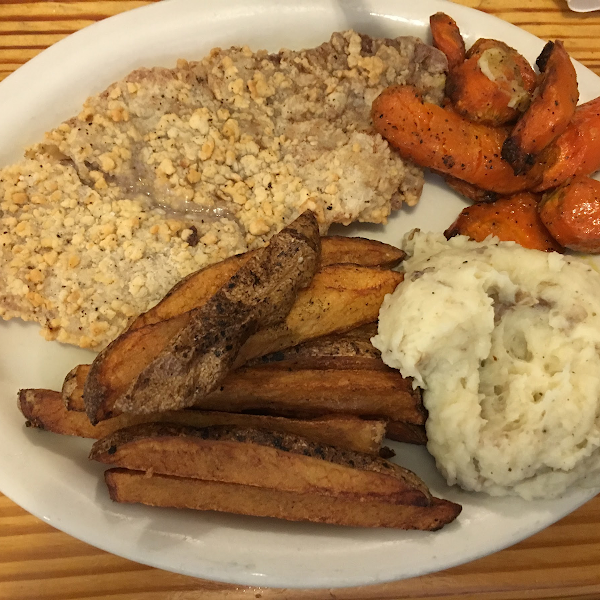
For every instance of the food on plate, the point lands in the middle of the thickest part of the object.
(576, 151)
(44, 409)
(340, 374)
(409, 433)
(510, 219)
(504, 342)
(197, 288)
(440, 139)
(447, 38)
(169, 170)
(572, 214)
(339, 298)
(357, 511)
(198, 355)
(493, 85)
(550, 111)
(469, 191)
(282, 461)
(339, 249)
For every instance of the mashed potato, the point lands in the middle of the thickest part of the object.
(505, 342)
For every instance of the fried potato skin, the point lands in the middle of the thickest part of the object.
(339, 298)
(442, 140)
(193, 291)
(360, 392)
(491, 101)
(406, 432)
(257, 457)
(201, 345)
(340, 249)
(576, 151)
(550, 111)
(447, 38)
(197, 288)
(511, 219)
(160, 490)
(572, 214)
(44, 409)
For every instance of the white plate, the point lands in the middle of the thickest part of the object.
(51, 477)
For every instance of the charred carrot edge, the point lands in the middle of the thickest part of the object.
(577, 150)
(442, 140)
(447, 38)
(549, 113)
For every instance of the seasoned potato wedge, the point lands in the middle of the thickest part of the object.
(357, 511)
(194, 351)
(72, 389)
(255, 457)
(44, 409)
(339, 249)
(196, 289)
(338, 374)
(339, 298)
(361, 392)
(406, 432)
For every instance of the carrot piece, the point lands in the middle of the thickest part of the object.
(493, 85)
(577, 150)
(469, 191)
(442, 140)
(446, 37)
(511, 219)
(572, 214)
(549, 113)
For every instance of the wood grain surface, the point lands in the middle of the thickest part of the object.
(38, 562)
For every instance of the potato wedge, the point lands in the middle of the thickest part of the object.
(339, 298)
(201, 345)
(177, 492)
(255, 457)
(340, 249)
(337, 374)
(361, 392)
(406, 432)
(44, 409)
(195, 290)
(72, 389)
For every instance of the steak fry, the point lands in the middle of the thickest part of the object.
(197, 288)
(261, 458)
(194, 351)
(44, 409)
(339, 374)
(357, 511)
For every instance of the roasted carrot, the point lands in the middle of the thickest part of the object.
(447, 38)
(511, 219)
(572, 214)
(469, 191)
(549, 113)
(442, 140)
(576, 151)
(493, 85)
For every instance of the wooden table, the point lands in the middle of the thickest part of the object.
(38, 562)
